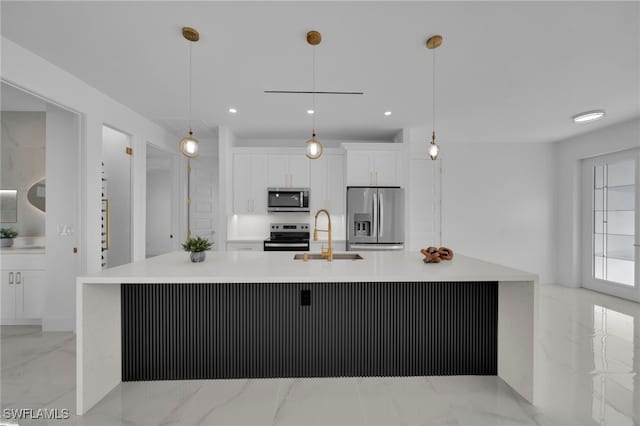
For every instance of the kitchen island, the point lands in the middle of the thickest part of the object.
(257, 314)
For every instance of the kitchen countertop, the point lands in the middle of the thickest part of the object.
(257, 267)
(22, 250)
(99, 307)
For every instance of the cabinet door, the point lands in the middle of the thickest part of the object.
(277, 171)
(242, 188)
(385, 168)
(259, 185)
(249, 183)
(31, 290)
(8, 294)
(299, 171)
(359, 168)
(336, 191)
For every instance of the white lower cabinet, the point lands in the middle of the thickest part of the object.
(22, 289)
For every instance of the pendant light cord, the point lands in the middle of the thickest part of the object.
(434, 91)
(190, 78)
(313, 95)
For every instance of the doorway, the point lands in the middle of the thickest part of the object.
(161, 204)
(116, 198)
(41, 154)
(611, 222)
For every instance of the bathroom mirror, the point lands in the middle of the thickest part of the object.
(8, 205)
(36, 195)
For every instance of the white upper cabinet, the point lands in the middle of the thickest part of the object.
(287, 171)
(328, 189)
(367, 167)
(299, 171)
(249, 183)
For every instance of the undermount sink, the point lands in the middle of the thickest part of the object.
(336, 256)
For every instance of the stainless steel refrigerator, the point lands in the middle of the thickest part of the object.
(375, 218)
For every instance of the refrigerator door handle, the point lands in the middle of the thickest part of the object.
(380, 214)
(374, 208)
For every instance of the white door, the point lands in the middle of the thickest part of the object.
(160, 202)
(610, 224)
(201, 221)
(8, 294)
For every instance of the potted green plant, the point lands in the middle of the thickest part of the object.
(197, 246)
(6, 236)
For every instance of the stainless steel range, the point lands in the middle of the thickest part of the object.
(288, 237)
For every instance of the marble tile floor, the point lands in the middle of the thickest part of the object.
(587, 352)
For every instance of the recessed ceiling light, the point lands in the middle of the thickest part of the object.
(387, 113)
(588, 116)
(310, 111)
(233, 110)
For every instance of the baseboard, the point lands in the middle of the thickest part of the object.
(21, 321)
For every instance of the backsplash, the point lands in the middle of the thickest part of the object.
(256, 227)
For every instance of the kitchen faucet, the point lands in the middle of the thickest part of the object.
(328, 254)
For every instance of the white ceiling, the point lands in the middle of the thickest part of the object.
(507, 71)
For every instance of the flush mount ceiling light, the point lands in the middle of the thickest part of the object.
(233, 110)
(189, 144)
(314, 147)
(432, 44)
(387, 113)
(588, 116)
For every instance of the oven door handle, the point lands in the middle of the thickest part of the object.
(286, 244)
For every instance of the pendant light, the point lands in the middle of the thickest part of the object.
(314, 147)
(189, 144)
(432, 44)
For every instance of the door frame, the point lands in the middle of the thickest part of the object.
(586, 218)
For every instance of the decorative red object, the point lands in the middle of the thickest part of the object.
(436, 255)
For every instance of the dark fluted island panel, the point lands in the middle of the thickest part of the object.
(255, 330)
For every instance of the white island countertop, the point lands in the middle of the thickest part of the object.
(99, 306)
(274, 267)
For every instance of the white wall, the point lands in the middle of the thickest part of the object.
(117, 171)
(34, 74)
(497, 201)
(567, 156)
(23, 164)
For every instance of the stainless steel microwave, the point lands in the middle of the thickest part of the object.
(288, 199)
